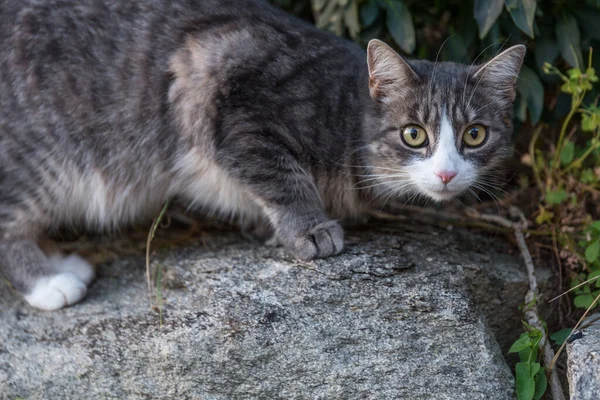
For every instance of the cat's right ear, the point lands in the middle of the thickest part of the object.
(389, 74)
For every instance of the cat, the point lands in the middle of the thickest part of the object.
(109, 108)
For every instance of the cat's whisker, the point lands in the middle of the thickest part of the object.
(492, 195)
(435, 63)
(402, 173)
(471, 67)
(403, 193)
(494, 185)
(415, 194)
(481, 108)
(472, 192)
(375, 185)
(484, 73)
(378, 178)
(391, 191)
(371, 167)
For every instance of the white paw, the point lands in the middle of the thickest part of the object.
(58, 291)
(74, 264)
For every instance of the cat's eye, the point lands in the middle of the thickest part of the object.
(414, 136)
(474, 135)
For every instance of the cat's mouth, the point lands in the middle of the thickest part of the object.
(442, 194)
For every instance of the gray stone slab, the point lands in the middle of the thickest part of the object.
(393, 317)
(583, 363)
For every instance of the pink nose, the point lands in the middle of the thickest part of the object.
(446, 176)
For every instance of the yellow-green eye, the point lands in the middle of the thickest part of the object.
(474, 135)
(414, 136)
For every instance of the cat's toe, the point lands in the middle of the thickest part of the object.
(75, 265)
(324, 240)
(58, 291)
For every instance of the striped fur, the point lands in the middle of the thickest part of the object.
(108, 108)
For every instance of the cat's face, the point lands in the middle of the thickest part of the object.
(444, 126)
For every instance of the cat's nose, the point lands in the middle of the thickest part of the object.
(446, 176)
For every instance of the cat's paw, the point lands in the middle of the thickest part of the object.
(74, 264)
(323, 240)
(58, 291)
(260, 231)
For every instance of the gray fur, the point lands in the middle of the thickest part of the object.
(108, 108)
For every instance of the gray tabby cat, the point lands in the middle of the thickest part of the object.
(109, 107)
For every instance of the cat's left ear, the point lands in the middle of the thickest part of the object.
(501, 72)
(389, 74)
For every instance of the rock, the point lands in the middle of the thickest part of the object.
(583, 363)
(393, 317)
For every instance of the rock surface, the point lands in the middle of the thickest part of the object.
(583, 363)
(393, 317)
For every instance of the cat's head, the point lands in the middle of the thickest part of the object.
(444, 126)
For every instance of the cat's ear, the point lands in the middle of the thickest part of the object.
(388, 72)
(501, 72)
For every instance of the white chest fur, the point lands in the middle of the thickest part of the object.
(207, 186)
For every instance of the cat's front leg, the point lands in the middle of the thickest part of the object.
(269, 168)
(48, 282)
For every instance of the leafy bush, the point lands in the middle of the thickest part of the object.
(456, 30)
(530, 375)
(568, 178)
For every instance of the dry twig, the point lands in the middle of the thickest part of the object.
(148, 243)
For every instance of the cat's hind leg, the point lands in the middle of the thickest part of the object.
(47, 282)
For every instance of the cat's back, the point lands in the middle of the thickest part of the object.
(85, 90)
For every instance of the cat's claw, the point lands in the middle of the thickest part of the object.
(324, 240)
(58, 291)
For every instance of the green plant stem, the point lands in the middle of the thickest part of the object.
(587, 153)
(534, 346)
(536, 172)
(563, 130)
(581, 159)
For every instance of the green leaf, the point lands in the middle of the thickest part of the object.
(591, 252)
(525, 354)
(589, 122)
(535, 335)
(556, 197)
(534, 369)
(593, 275)
(369, 12)
(544, 216)
(525, 381)
(588, 176)
(567, 153)
(583, 300)
(559, 337)
(400, 25)
(522, 13)
(595, 225)
(540, 384)
(486, 12)
(520, 109)
(569, 42)
(523, 342)
(531, 88)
